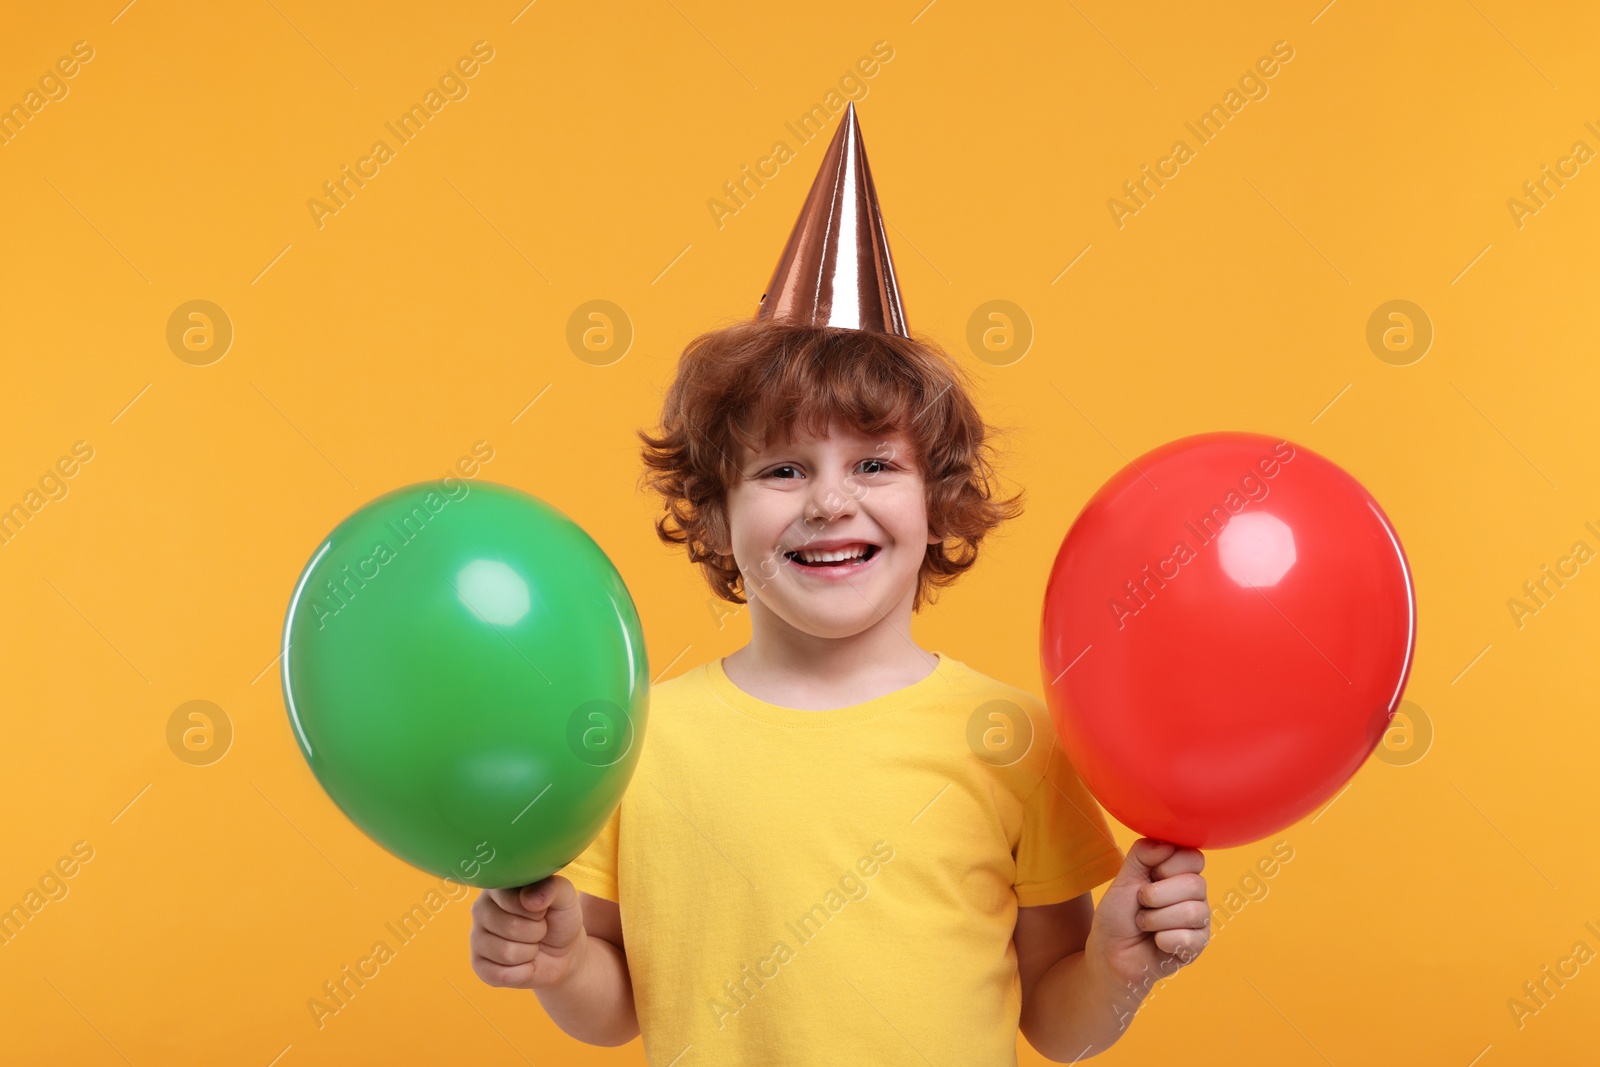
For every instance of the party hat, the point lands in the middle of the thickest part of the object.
(836, 269)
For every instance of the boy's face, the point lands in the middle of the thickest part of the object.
(846, 494)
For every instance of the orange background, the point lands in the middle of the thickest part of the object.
(433, 308)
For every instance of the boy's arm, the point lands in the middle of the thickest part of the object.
(1085, 970)
(594, 1003)
(1070, 1008)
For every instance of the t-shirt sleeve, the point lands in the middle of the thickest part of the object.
(594, 871)
(1065, 848)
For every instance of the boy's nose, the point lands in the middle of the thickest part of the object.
(829, 500)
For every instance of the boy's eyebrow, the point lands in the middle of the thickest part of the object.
(875, 442)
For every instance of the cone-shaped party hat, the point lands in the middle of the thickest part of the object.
(836, 269)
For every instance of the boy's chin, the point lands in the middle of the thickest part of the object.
(844, 622)
(830, 629)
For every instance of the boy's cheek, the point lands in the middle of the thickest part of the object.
(763, 572)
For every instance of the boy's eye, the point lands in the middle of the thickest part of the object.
(878, 466)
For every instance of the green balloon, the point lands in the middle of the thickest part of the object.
(465, 673)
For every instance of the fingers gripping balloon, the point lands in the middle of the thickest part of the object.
(1227, 630)
(465, 674)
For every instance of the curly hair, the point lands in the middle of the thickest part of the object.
(748, 384)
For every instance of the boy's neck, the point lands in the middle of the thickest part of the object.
(790, 668)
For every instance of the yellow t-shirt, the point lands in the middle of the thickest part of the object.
(841, 886)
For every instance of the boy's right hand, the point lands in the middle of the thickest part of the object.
(528, 937)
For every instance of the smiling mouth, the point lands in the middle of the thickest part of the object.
(817, 563)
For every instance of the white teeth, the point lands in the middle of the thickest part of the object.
(855, 552)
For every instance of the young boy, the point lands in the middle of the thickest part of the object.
(837, 846)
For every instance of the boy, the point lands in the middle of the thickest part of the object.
(838, 847)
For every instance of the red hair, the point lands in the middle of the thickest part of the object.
(746, 385)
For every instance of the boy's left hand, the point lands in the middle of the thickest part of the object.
(1153, 917)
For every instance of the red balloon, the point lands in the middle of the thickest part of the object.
(1227, 631)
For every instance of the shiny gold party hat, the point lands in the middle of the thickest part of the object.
(836, 269)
